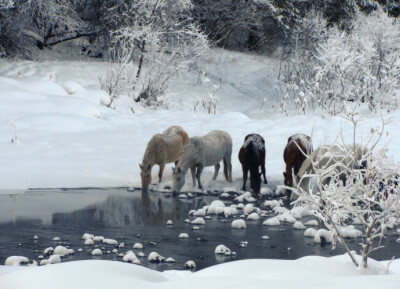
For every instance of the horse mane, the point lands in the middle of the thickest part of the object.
(154, 146)
(192, 144)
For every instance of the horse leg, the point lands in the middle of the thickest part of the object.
(217, 167)
(193, 171)
(160, 173)
(198, 174)
(228, 168)
(263, 172)
(245, 174)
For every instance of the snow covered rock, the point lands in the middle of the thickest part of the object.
(88, 242)
(48, 251)
(248, 209)
(53, 259)
(298, 226)
(137, 246)
(238, 224)
(87, 236)
(170, 223)
(98, 238)
(253, 216)
(270, 204)
(130, 257)
(198, 221)
(266, 192)
(63, 251)
(56, 239)
(272, 222)
(16, 261)
(170, 260)
(310, 232)
(312, 223)
(110, 242)
(97, 252)
(350, 232)
(221, 249)
(190, 265)
(154, 257)
(183, 236)
(323, 236)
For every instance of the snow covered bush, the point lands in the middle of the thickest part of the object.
(360, 185)
(209, 104)
(157, 41)
(339, 68)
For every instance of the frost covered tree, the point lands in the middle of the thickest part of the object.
(352, 184)
(159, 40)
(343, 68)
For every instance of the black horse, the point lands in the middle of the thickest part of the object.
(252, 156)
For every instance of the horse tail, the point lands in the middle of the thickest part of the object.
(225, 170)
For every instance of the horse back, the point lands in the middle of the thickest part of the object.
(252, 151)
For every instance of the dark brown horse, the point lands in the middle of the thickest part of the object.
(298, 147)
(252, 156)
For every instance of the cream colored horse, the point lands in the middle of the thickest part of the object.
(162, 149)
(202, 152)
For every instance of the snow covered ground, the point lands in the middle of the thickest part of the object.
(55, 133)
(307, 272)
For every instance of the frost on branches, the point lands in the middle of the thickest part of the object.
(156, 42)
(353, 184)
(338, 68)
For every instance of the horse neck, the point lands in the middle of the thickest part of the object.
(252, 155)
(186, 160)
(149, 157)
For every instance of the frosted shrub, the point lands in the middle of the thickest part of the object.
(157, 41)
(210, 103)
(340, 69)
(369, 192)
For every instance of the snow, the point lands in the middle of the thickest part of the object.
(97, 252)
(272, 222)
(198, 221)
(305, 273)
(155, 257)
(238, 224)
(137, 246)
(98, 238)
(89, 242)
(183, 236)
(323, 235)
(110, 242)
(63, 251)
(130, 257)
(248, 209)
(312, 223)
(53, 259)
(299, 226)
(87, 236)
(310, 232)
(16, 260)
(253, 216)
(221, 249)
(190, 265)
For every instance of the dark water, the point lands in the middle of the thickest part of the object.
(128, 217)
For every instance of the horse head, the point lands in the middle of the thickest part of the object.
(255, 182)
(145, 174)
(178, 179)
